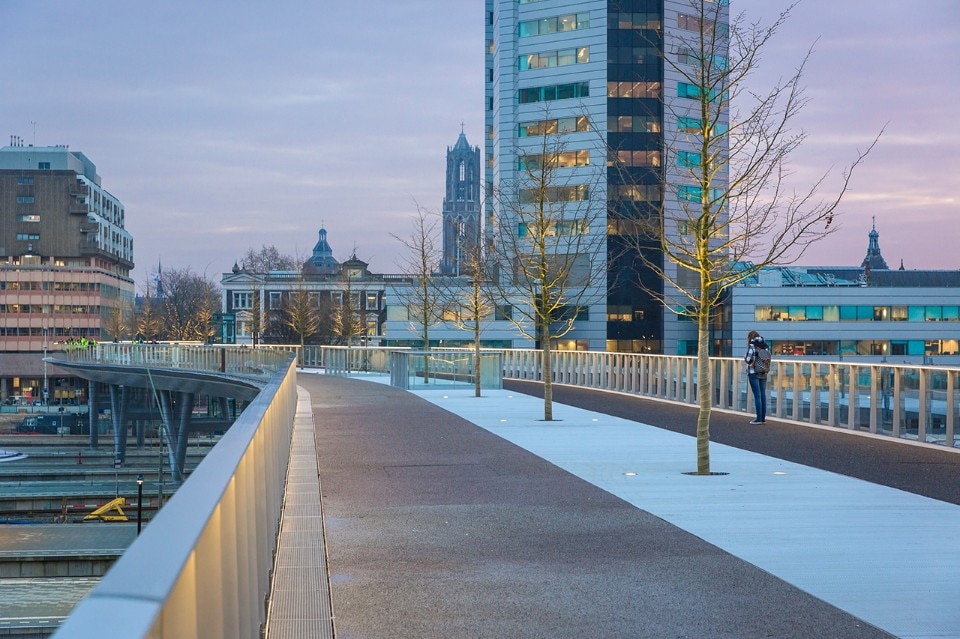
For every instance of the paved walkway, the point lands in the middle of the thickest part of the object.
(587, 527)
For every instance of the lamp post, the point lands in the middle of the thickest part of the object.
(139, 503)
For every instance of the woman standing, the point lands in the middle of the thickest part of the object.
(758, 378)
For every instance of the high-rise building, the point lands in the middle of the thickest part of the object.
(461, 206)
(591, 74)
(65, 261)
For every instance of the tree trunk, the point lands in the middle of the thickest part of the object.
(476, 357)
(704, 389)
(546, 371)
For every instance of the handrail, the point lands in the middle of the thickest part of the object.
(248, 362)
(201, 567)
(902, 401)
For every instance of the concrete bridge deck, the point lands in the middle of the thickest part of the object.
(469, 518)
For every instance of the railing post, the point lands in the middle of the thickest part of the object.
(896, 418)
(876, 399)
(832, 380)
(853, 396)
(950, 408)
(923, 405)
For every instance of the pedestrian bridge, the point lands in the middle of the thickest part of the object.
(202, 567)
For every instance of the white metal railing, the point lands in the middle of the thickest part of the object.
(201, 568)
(919, 403)
(262, 363)
(904, 401)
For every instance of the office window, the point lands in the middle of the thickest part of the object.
(634, 192)
(555, 24)
(688, 159)
(550, 93)
(633, 124)
(617, 313)
(28, 217)
(634, 89)
(276, 300)
(634, 158)
(572, 193)
(562, 160)
(26, 237)
(24, 180)
(535, 128)
(549, 59)
(25, 199)
(634, 21)
(43, 166)
(372, 301)
(689, 125)
(503, 312)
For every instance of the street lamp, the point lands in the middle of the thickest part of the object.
(139, 503)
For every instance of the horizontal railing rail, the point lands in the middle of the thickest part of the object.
(902, 401)
(202, 566)
(918, 403)
(258, 363)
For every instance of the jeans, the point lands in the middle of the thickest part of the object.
(758, 385)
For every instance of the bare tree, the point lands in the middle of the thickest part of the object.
(189, 302)
(147, 322)
(469, 301)
(268, 258)
(347, 323)
(729, 208)
(550, 243)
(117, 320)
(423, 298)
(299, 312)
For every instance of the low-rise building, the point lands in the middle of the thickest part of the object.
(869, 312)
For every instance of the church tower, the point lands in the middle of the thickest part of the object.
(874, 261)
(461, 206)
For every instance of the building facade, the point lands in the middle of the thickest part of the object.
(591, 74)
(461, 207)
(329, 284)
(65, 262)
(867, 312)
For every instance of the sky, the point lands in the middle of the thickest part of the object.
(228, 126)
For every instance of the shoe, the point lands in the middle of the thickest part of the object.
(755, 422)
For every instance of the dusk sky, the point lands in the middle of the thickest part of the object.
(224, 126)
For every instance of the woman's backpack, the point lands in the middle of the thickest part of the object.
(762, 359)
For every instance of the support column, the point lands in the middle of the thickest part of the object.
(92, 399)
(119, 398)
(185, 402)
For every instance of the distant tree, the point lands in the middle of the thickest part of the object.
(347, 324)
(189, 303)
(423, 298)
(299, 312)
(549, 245)
(729, 206)
(469, 300)
(117, 321)
(268, 258)
(147, 319)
